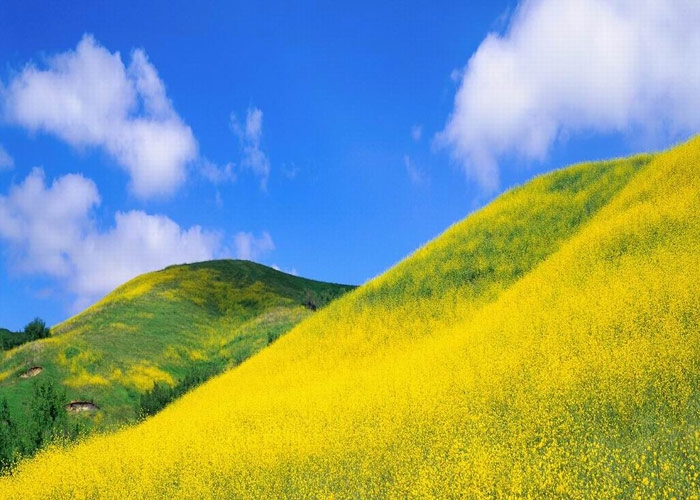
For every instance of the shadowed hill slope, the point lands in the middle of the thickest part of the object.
(156, 327)
(546, 346)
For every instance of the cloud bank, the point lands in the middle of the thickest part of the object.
(603, 66)
(51, 230)
(89, 98)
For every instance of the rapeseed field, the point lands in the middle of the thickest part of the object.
(546, 347)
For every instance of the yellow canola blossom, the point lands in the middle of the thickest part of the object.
(557, 364)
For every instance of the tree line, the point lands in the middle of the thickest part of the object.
(47, 422)
(34, 330)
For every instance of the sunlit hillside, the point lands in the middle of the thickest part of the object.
(547, 347)
(156, 328)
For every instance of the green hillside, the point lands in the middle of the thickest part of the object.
(545, 347)
(157, 328)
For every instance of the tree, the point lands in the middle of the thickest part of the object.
(48, 419)
(8, 437)
(37, 329)
(310, 300)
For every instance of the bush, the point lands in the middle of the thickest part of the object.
(161, 394)
(48, 418)
(47, 422)
(37, 329)
(8, 437)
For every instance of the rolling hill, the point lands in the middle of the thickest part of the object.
(156, 328)
(547, 346)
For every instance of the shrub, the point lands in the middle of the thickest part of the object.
(48, 419)
(161, 394)
(8, 437)
(37, 329)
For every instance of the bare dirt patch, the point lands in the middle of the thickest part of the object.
(32, 372)
(78, 406)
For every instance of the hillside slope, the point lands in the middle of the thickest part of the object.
(156, 327)
(547, 346)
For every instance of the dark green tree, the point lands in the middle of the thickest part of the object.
(48, 418)
(154, 400)
(8, 437)
(37, 329)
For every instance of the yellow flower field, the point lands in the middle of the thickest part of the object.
(546, 347)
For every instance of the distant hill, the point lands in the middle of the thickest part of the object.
(156, 328)
(545, 347)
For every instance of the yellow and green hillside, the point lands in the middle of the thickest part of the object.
(547, 347)
(156, 328)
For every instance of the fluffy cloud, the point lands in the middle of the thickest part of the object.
(577, 66)
(43, 224)
(51, 230)
(6, 161)
(87, 97)
(138, 243)
(248, 247)
(250, 135)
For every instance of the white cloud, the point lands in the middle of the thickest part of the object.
(606, 66)
(216, 174)
(43, 224)
(51, 230)
(87, 97)
(291, 271)
(6, 161)
(290, 171)
(138, 243)
(248, 247)
(416, 133)
(250, 135)
(415, 174)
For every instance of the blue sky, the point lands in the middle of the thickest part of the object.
(327, 140)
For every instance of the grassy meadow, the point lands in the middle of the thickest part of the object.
(545, 347)
(157, 328)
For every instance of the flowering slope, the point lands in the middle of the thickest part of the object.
(546, 346)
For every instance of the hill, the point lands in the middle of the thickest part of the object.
(547, 346)
(159, 327)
